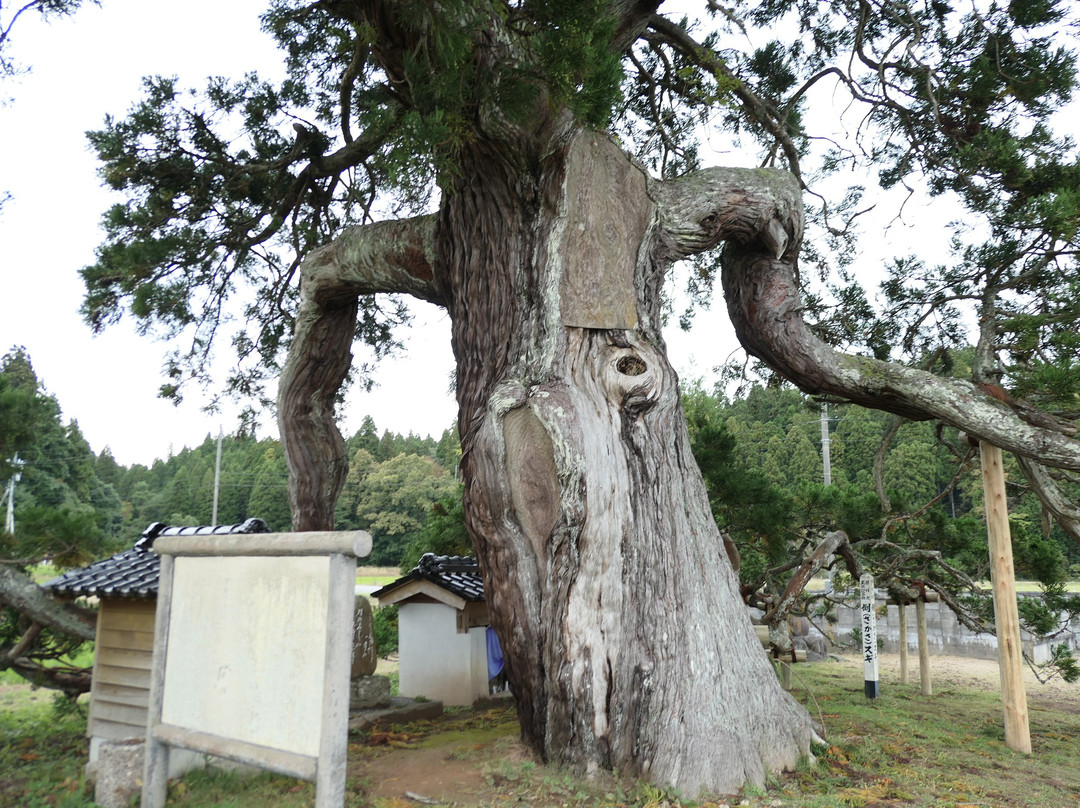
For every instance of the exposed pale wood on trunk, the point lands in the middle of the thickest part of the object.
(627, 565)
(602, 562)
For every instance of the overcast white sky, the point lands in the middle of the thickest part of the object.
(90, 65)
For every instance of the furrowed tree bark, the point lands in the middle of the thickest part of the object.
(30, 600)
(627, 644)
(383, 257)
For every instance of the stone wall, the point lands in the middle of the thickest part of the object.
(943, 632)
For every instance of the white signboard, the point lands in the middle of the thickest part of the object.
(252, 653)
(246, 641)
(869, 636)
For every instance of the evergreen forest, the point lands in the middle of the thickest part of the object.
(760, 451)
(906, 497)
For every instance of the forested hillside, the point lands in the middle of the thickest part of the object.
(906, 495)
(761, 453)
(914, 483)
(72, 505)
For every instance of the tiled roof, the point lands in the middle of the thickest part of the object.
(134, 573)
(457, 574)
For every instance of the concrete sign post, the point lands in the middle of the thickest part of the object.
(871, 680)
(252, 652)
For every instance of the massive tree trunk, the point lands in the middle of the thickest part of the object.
(627, 644)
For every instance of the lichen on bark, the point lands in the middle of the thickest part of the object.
(627, 644)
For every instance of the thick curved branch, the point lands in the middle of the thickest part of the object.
(395, 257)
(703, 208)
(391, 256)
(21, 593)
(766, 309)
(69, 680)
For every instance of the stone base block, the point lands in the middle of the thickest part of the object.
(369, 693)
(118, 772)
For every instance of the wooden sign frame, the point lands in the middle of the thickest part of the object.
(252, 654)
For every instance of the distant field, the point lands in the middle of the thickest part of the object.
(377, 576)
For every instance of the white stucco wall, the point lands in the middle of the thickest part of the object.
(435, 660)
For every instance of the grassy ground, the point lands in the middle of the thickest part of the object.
(899, 751)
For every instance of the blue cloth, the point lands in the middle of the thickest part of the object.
(494, 654)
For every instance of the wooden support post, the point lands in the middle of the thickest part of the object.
(155, 787)
(924, 648)
(1006, 614)
(901, 610)
(785, 675)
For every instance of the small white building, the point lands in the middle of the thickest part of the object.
(442, 630)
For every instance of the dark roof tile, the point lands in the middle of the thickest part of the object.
(457, 574)
(134, 573)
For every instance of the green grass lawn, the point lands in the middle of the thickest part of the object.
(377, 576)
(899, 751)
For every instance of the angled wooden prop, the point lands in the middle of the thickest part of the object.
(1006, 615)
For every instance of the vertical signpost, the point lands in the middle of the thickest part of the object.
(901, 613)
(924, 646)
(871, 680)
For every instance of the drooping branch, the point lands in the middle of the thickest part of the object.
(69, 680)
(22, 594)
(766, 309)
(829, 545)
(393, 257)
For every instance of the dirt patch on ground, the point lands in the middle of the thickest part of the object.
(18, 695)
(421, 774)
(948, 672)
(456, 774)
(463, 758)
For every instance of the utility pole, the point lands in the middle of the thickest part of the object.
(826, 461)
(217, 477)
